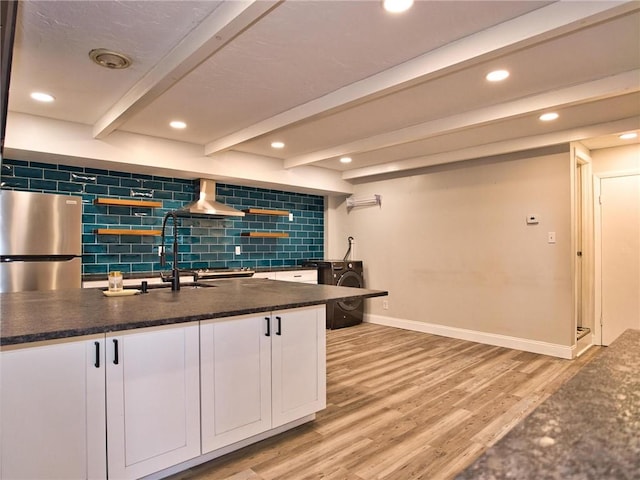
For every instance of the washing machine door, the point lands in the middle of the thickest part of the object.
(350, 279)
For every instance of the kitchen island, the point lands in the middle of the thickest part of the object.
(149, 384)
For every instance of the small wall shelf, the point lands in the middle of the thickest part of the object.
(128, 203)
(265, 234)
(123, 231)
(261, 211)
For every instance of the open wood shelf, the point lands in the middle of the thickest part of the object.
(127, 203)
(123, 231)
(262, 211)
(265, 234)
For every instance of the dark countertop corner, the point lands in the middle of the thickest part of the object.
(589, 429)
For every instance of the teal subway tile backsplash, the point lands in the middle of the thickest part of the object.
(203, 242)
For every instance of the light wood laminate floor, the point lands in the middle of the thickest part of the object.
(401, 405)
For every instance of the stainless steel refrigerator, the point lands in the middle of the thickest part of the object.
(40, 241)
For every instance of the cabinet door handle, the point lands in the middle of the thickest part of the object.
(97, 364)
(115, 351)
(268, 334)
(279, 330)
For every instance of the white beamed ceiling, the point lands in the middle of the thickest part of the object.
(331, 78)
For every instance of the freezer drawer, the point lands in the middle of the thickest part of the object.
(40, 275)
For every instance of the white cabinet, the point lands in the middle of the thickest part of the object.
(260, 372)
(301, 276)
(153, 415)
(129, 403)
(298, 360)
(52, 398)
(235, 380)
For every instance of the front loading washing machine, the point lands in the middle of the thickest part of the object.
(343, 273)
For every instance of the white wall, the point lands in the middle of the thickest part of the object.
(618, 159)
(452, 247)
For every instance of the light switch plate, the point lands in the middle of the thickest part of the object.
(291, 217)
(551, 237)
(238, 250)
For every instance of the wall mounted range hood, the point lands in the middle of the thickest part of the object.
(206, 203)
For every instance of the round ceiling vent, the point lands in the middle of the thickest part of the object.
(109, 59)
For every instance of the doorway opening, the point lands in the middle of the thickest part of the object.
(582, 248)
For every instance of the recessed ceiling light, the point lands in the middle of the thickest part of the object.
(109, 58)
(497, 75)
(42, 97)
(178, 124)
(628, 136)
(547, 117)
(277, 144)
(397, 6)
(345, 160)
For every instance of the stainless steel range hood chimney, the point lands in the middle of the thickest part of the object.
(206, 203)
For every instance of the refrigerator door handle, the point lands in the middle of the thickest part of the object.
(37, 258)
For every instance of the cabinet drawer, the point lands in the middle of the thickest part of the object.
(303, 276)
(267, 275)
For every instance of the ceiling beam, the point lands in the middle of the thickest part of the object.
(554, 20)
(607, 87)
(213, 33)
(492, 149)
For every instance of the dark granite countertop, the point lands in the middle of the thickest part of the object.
(589, 429)
(35, 316)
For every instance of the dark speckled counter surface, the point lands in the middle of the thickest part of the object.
(589, 429)
(35, 316)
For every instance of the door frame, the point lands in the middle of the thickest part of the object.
(597, 214)
(580, 156)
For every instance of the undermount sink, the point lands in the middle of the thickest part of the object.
(199, 284)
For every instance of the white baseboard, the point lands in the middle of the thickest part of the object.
(584, 344)
(515, 343)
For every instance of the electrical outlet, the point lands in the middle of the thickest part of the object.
(385, 304)
(238, 250)
(291, 217)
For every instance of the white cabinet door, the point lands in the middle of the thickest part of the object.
(298, 363)
(235, 379)
(153, 409)
(53, 410)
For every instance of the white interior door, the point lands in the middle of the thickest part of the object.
(620, 254)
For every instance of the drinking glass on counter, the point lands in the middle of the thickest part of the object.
(115, 281)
